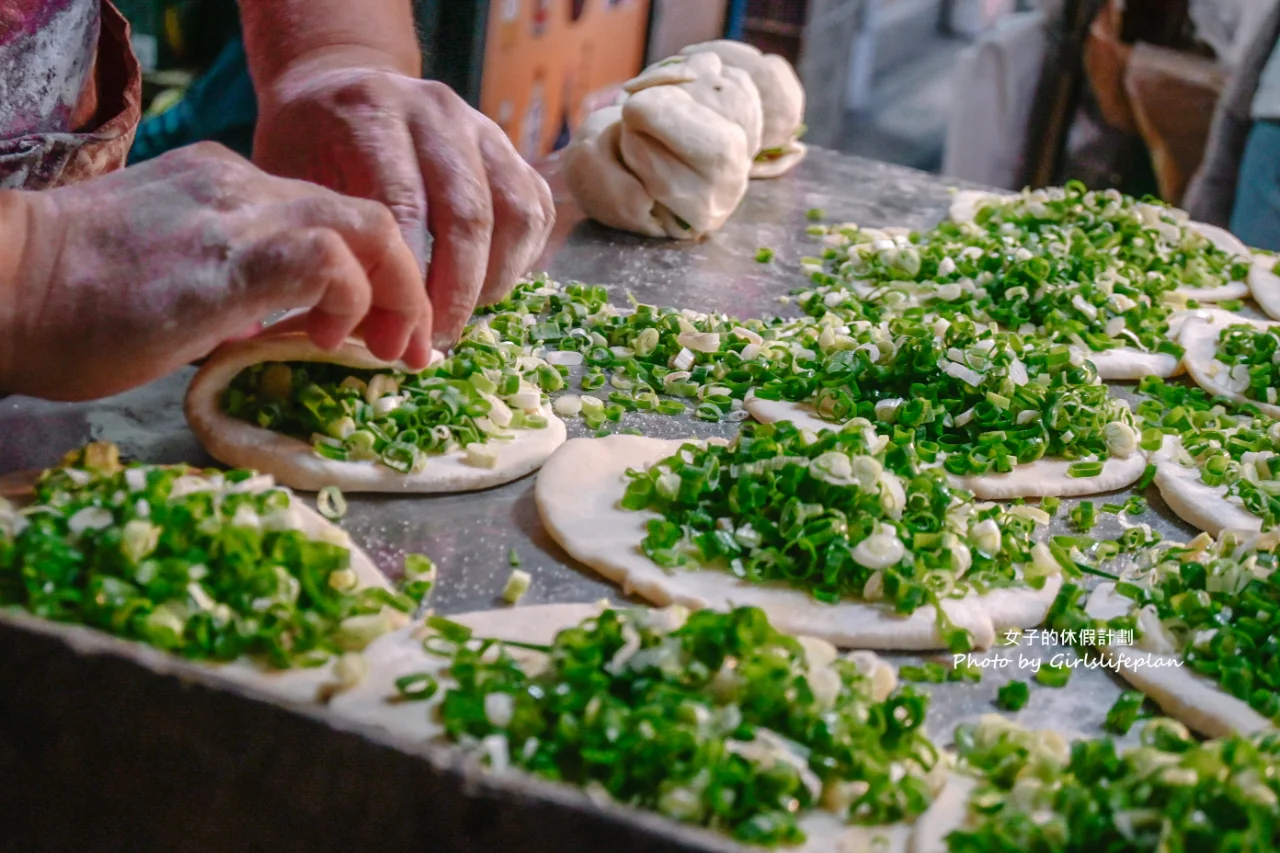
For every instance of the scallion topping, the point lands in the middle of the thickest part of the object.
(718, 721)
(208, 565)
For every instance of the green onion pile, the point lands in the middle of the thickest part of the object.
(976, 400)
(208, 565)
(1229, 444)
(652, 359)
(1251, 359)
(840, 513)
(477, 396)
(719, 721)
(1096, 270)
(1171, 794)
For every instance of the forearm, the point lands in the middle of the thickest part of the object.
(280, 34)
(15, 225)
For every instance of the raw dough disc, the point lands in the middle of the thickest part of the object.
(299, 684)
(577, 495)
(1200, 339)
(1193, 699)
(295, 463)
(1121, 364)
(1265, 285)
(1038, 479)
(373, 702)
(1210, 508)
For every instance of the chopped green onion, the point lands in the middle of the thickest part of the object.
(1124, 713)
(188, 561)
(417, 687)
(330, 503)
(517, 586)
(1013, 696)
(1084, 469)
(1053, 675)
(929, 672)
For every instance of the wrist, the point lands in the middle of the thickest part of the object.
(316, 68)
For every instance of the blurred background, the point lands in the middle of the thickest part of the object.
(1118, 93)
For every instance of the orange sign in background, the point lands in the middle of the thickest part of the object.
(545, 59)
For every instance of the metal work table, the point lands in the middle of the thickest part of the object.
(116, 737)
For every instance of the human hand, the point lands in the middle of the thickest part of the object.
(442, 168)
(128, 277)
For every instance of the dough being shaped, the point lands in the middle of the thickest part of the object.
(1210, 508)
(295, 463)
(1265, 284)
(966, 203)
(577, 494)
(781, 99)
(673, 159)
(1198, 702)
(375, 702)
(1037, 479)
(1200, 340)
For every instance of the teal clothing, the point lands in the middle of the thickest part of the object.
(219, 106)
(1255, 216)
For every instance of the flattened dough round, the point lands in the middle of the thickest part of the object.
(1265, 285)
(1200, 339)
(1193, 699)
(1038, 479)
(577, 494)
(302, 684)
(1210, 508)
(1129, 364)
(294, 462)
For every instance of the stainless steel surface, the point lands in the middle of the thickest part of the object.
(470, 535)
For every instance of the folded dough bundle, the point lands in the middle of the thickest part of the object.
(781, 102)
(674, 157)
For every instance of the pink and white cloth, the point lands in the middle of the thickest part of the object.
(70, 91)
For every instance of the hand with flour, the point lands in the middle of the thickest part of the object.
(340, 103)
(116, 281)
